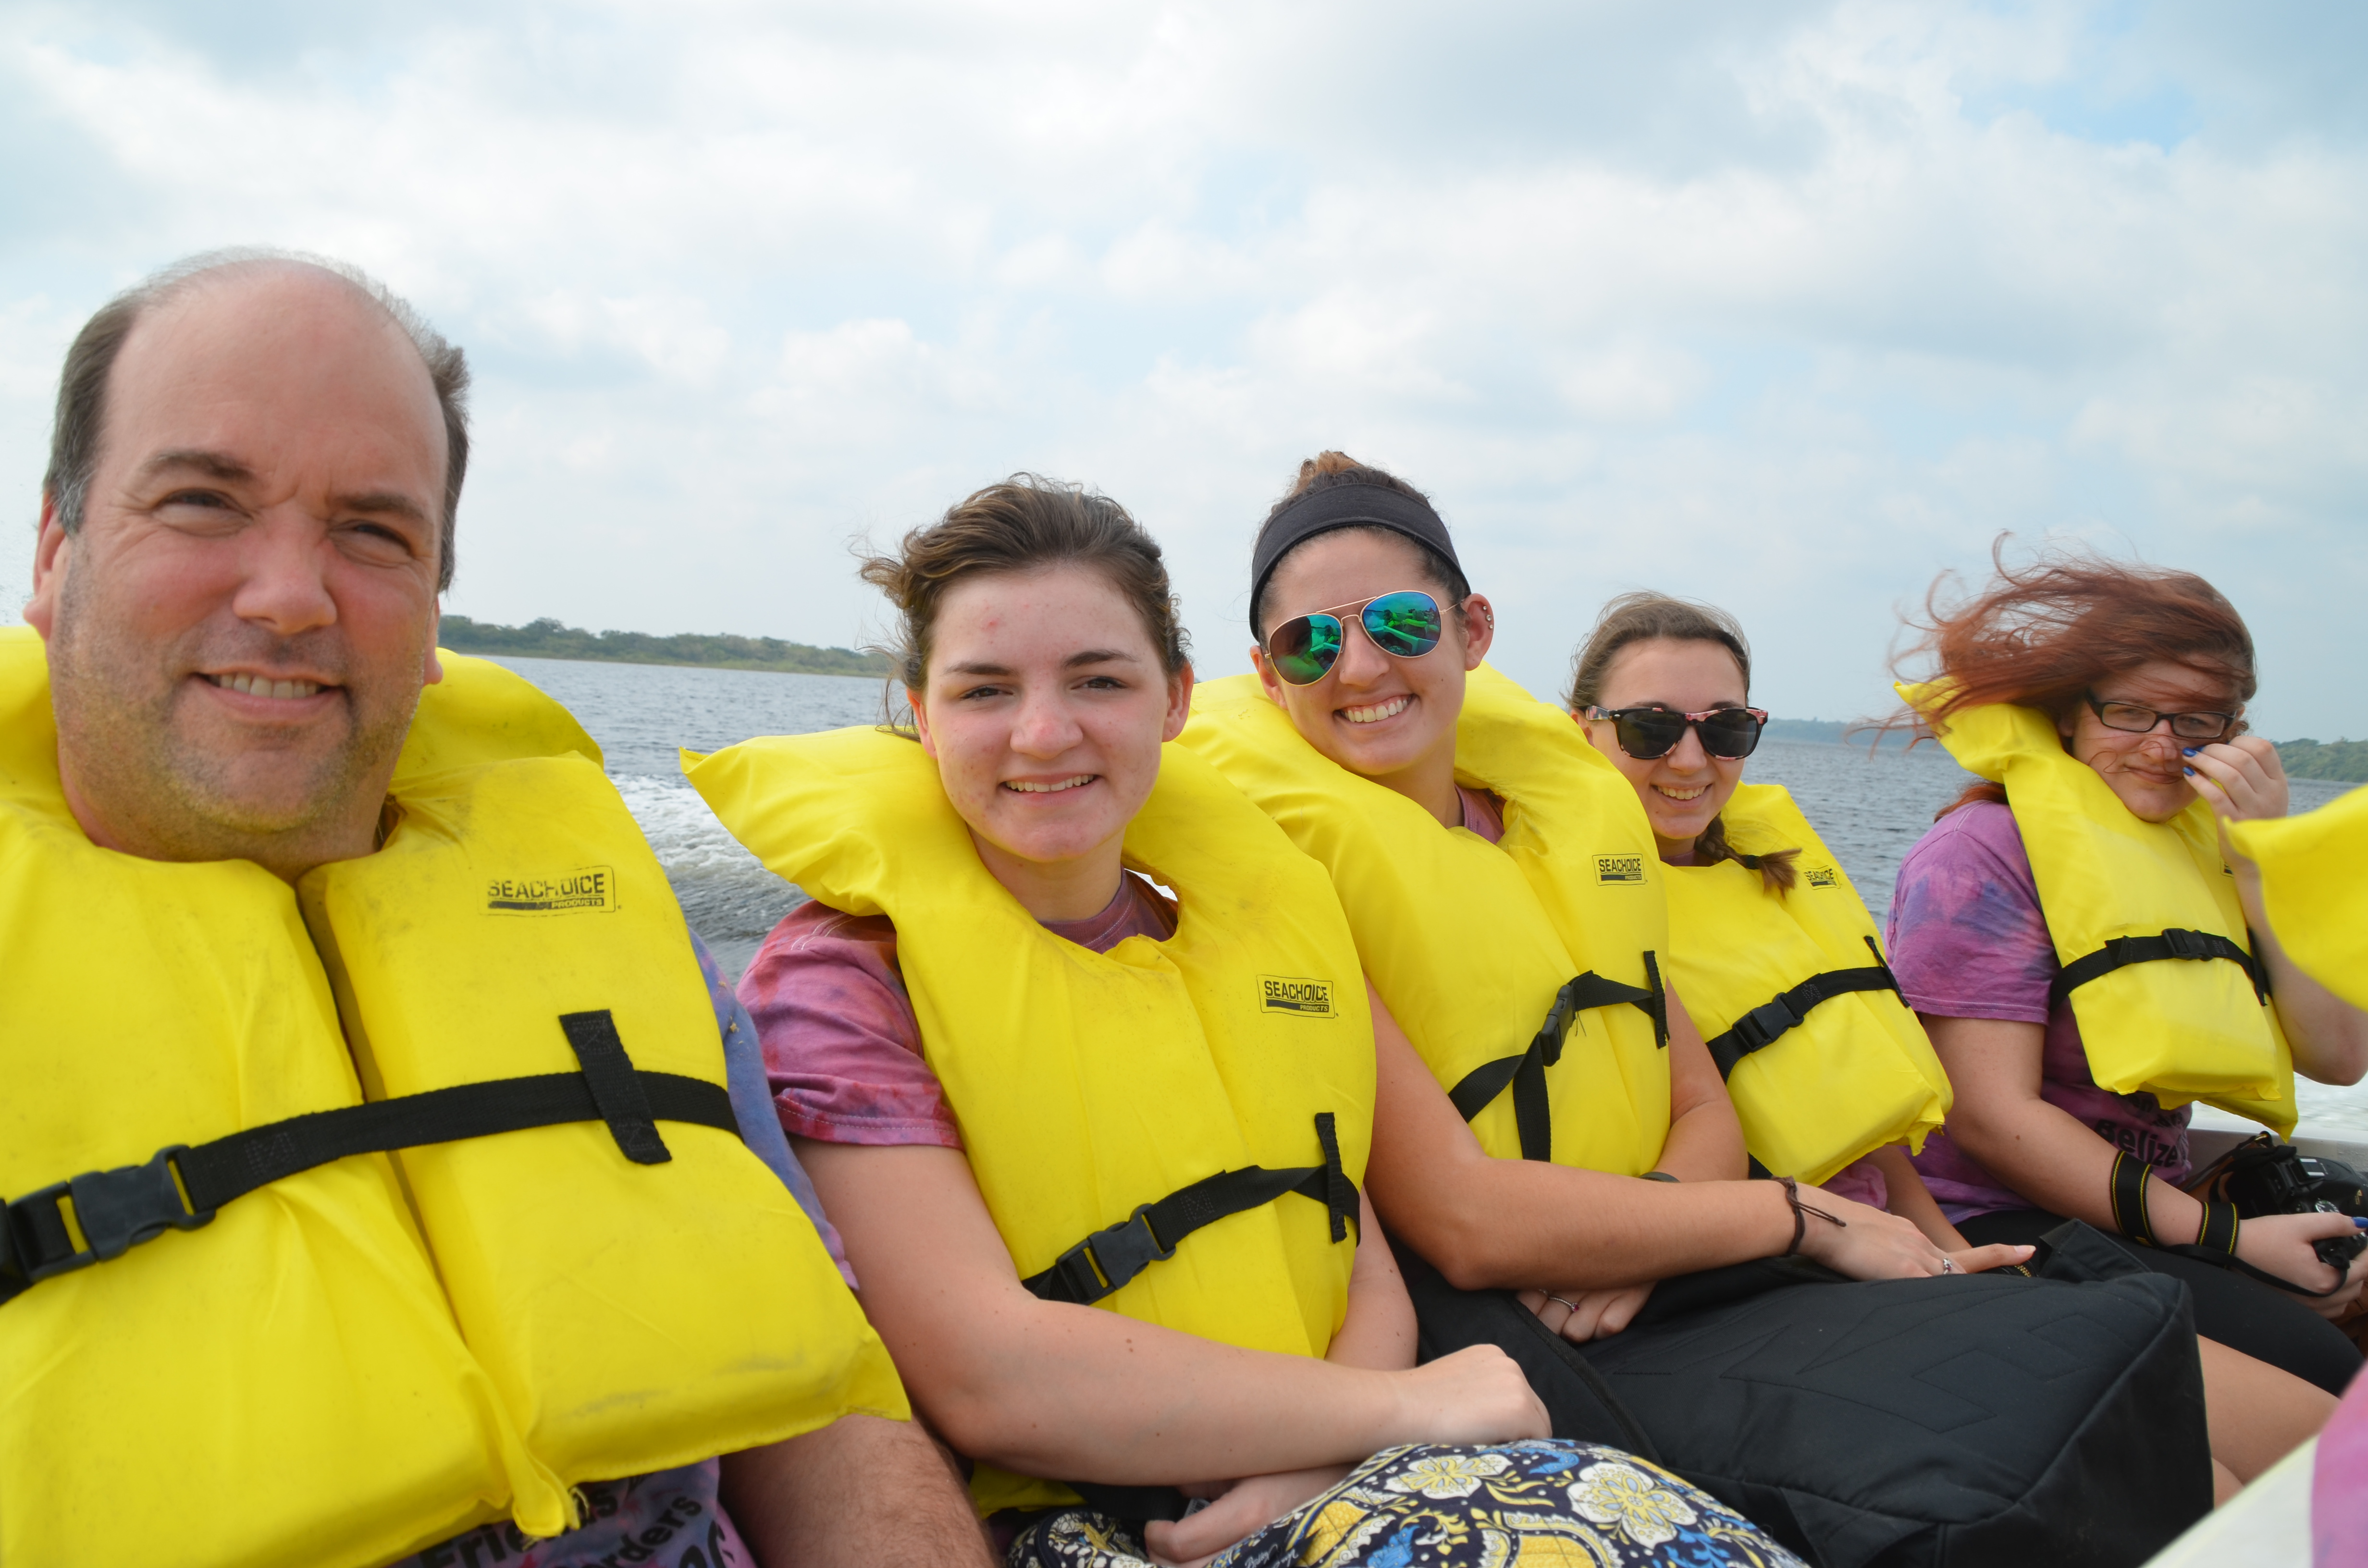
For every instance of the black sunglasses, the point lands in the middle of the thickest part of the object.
(2136, 719)
(1730, 735)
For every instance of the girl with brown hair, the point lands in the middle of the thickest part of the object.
(2007, 921)
(1075, 1047)
(1572, 1189)
(1844, 1069)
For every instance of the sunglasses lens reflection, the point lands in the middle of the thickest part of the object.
(1302, 649)
(1730, 736)
(1647, 736)
(1403, 624)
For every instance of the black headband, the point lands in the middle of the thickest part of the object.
(1352, 506)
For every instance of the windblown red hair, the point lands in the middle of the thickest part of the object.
(2042, 634)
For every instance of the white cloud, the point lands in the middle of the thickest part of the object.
(1789, 305)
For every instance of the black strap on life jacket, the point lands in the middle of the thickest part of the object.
(1105, 1261)
(1769, 1022)
(1526, 1074)
(2122, 951)
(180, 1187)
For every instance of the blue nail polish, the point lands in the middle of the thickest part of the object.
(2187, 751)
(2189, 771)
(2359, 1222)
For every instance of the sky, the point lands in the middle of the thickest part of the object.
(1788, 306)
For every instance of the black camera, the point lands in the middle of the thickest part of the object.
(2262, 1176)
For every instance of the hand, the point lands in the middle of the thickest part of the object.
(1998, 1255)
(2279, 1244)
(2240, 780)
(1871, 1245)
(1588, 1314)
(1242, 1509)
(1477, 1395)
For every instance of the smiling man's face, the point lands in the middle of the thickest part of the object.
(239, 631)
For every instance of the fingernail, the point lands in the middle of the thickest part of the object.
(2189, 771)
(2359, 1222)
(2187, 751)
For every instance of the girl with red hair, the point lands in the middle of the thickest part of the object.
(2024, 929)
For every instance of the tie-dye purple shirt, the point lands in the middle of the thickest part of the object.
(1968, 940)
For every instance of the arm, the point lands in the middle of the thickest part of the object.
(857, 1492)
(2242, 780)
(1046, 1388)
(1570, 1229)
(2047, 1156)
(1378, 1330)
(1913, 1201)
(1705, 1142)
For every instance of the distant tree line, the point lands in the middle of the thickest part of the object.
(2343, 761)
(549, 638)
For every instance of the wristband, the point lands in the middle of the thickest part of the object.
(1801, 1212)
(2218, 1231)
(2126, 1191)
(1658, 1176)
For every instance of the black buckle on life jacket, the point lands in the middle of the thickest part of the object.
(1765, 1024)
(180, 1187)
(2185, 944)
(114, 1209)
(1105, 1261)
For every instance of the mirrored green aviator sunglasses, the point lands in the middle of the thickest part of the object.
(1403, 625)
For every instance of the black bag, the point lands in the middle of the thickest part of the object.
(1957, 1422)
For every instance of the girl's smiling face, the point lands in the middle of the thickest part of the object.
(1045, 710)
(1388, 719)
(1684, 790)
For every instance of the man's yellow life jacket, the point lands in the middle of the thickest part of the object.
(2314, 889)
(1530, 966)
(1101, 1095)
(290, 1278)
(1824, 1061)
(2145, 921)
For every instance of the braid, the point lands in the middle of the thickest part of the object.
(1775, 868)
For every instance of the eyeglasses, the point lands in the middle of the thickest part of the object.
(2135, 719)
(1730, 735)
(1403, 625)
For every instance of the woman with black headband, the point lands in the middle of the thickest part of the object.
(1563, 1168)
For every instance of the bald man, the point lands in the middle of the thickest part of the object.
(244, 531)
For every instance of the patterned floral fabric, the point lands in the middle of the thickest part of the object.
(1545, 1504)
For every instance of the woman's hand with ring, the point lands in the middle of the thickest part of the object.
(1592, 1314)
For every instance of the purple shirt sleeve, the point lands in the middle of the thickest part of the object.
(1966, 935)
(1969, 940)
(841, 1046)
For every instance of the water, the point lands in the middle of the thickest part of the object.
(1870, 807)
(641, 713)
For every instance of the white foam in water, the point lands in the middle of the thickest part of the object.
(1870, 808)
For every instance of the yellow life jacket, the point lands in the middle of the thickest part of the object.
(2313, 890)
(1088, 1085)
(1530, 964)
(1822, 1059)
(2144, 919)
(247, 1352)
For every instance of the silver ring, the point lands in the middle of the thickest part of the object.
(1949, 1266)
(1568, 1306)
